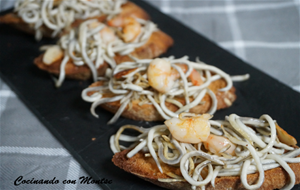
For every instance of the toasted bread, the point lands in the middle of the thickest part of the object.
(175, 156)
(128, 9)
(15, 21)
(147, 112)
(146, 168)
(158, 43)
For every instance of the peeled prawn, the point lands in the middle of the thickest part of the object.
(195, 76)
(106, 33)
(161, 76)
(131, 28)
(217, 144)
(194, 129)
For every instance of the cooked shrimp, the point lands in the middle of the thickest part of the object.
(193, 129)
(217, 144)
(93, 25)
(161, 76)
(195, 76)
(107, 35)
(116, 21)
(196, 129)
(131, 28)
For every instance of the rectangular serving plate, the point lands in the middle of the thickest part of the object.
(68, 117)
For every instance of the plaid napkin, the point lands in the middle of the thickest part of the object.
(263, 33)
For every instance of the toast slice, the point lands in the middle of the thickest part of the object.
(158, 43)
(128, 9)
(148, 112)
(133, 92)
(177, 156)
(145, 168)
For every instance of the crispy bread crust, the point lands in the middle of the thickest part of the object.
(72, 71)
(128, 9)
(147, 112)
(158, 43)
(146, 168)
(13, 20)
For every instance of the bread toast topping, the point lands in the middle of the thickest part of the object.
(257, 148)
(60, 14)
(130, 81)
(94, 43)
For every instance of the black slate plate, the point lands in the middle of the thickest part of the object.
(68, 117)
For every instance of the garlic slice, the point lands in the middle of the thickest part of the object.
(52, 54)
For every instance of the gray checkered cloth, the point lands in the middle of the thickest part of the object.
(265, 34)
